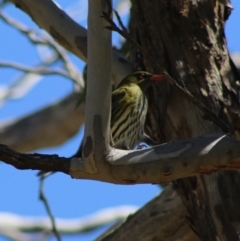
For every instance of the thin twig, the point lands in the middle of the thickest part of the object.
(48, 209)
(211, 116)
(43, 39)
(120, 22)
(32, 35)
(34, 70)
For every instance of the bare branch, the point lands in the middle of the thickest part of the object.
(20, 236)
(168, 162)
(163, 218)
(30, 33)
(77, 39)
(58, 122)
(161, 163)
(48, 209)
(34, 161)
(97, 133)
(68, 33)
(65, 226)
(209, 114)
(43, 39)
(120, 22)
(18, 87)
(64, 112)
(37, 70)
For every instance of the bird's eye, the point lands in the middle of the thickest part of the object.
(141, 76)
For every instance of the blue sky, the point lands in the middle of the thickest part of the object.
(68, 198)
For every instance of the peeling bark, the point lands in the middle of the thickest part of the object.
(187, 38)
(163, 163)
(47, 15)
(163, 218)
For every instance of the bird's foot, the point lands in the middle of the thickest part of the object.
(142, 146)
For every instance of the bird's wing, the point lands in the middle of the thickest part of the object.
(123, 99)
(117, 103)
(117, 96)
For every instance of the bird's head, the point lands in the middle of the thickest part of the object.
(142, 78)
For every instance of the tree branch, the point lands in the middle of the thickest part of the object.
(42, 39)
(99, 89)
(68, 33)
(72, 119)
(163, 218)
(34, 70)
(17, 235)
(34, 161)
(12, 136)
(65, 226)
(154, 221)
(43, 198)
(162, 163)
(58, 122)
(167, 162)
(209, 114)
(69, 119)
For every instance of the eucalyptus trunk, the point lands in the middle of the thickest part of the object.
(187, 39)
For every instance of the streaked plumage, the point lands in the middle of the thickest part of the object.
(129, 109)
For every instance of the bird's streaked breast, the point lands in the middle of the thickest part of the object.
(128, 118)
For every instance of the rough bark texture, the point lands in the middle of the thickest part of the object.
(212, 204)
(187, 38)
(154, 222)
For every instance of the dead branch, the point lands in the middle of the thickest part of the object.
(68, 33)
(162, 163)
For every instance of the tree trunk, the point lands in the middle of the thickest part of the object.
(187, 38)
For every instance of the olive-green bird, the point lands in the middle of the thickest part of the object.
(129, 109)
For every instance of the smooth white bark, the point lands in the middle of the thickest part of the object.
(68, 33)
(99, 89)
(166, 162)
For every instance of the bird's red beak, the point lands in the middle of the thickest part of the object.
(157, 77)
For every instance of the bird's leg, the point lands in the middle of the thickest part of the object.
(142, 146)
(148, 140)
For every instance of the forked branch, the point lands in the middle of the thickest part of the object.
(162, 163)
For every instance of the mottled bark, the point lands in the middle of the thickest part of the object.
(154, 221)
(163, 163)
(187, 38)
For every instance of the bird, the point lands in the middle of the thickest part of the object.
(129, 110)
